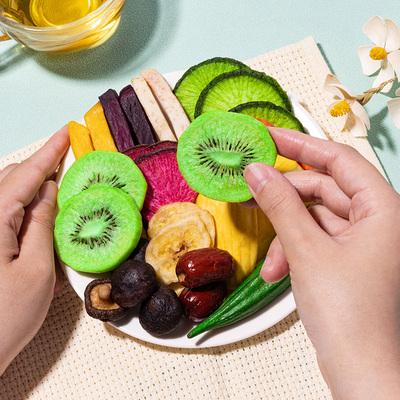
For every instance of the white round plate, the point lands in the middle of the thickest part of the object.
(262, 320)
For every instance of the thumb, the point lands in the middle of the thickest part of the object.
(36, 236)
(279, 200)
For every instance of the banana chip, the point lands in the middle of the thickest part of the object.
(174, 240)
(174, 212)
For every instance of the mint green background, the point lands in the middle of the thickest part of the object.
(39, 93)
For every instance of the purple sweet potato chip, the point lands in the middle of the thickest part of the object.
(137, 117)
(165, 183)
(116, 120)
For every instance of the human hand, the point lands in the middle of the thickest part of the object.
(27, 266)
(343, 254)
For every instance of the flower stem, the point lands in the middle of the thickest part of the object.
(366, 96)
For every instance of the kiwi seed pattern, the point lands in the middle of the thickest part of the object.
(104, 180)
(207, 153)
(99, 215)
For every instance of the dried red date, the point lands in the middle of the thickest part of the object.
(202, 266)
(198, 303)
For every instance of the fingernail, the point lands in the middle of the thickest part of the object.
(256, 175)
(48, 193)
(267, 266)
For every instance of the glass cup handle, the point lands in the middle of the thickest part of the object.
(3, 36)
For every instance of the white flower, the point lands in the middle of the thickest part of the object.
(385, 54)
(394, 109)
(348, 112)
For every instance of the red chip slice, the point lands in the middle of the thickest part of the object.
(141, 149)
(165, 183)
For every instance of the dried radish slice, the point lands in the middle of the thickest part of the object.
(275, 115)
(240, 86)
(141, 149)
(165, 183)
(197, 77)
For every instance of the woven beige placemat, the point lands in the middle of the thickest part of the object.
(76, 357)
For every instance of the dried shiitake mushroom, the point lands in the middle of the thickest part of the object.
(162, 312)
(132, 282)
(99, 303)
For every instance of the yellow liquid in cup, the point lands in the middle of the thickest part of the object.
(53, 13)
(56, 12)
(48, 12)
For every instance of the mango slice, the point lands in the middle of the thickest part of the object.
(236, 232)
(79, 137)
(99, 130)
(283, 164)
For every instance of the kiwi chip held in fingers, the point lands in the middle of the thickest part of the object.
(97, 229)
(216, 148)
(275, 115)
(102, 168)
(240, 86)
(197, 77)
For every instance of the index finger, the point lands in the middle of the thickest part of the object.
(350, 170)
(22, 183)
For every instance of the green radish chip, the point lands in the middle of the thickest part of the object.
(197, 77)
(275, 115)
(216, 148)
(102, 168)
(241, 86)
(97, 229)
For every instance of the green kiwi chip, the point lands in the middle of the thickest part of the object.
(197, 77)
(240, 86)
(216, 148)
(97, 229)
(275, 115)
(102, 168)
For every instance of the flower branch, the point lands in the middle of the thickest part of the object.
(383, 57)
(367, 95)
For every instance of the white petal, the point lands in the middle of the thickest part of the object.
(337, 95)
(368, 65)
(398, 92)
(360, 112)
(346, 92)
(333, 104)
(334, 86)
(330, 84)
(394, 110)
(331, 79)
(386, 73)
(392, 36)
(375, 30)
(341, 121)
(394, 59)
(356, 126)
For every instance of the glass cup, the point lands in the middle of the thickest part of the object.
(87, 32)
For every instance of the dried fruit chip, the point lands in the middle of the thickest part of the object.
(172, 242)
(174, 212)
(165, 182)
